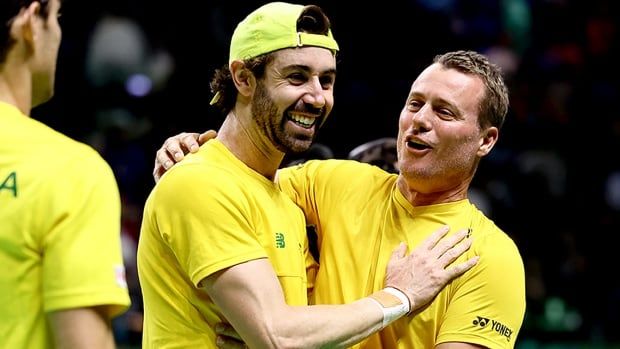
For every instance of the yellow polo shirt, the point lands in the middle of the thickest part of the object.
(361, 216)
(59, 230)
(206, 214)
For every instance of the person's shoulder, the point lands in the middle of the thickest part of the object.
(339, 166)
(196, 174)
(45, 140)
(77, 155)
(191, 185)
(494, 240)
(59, 153)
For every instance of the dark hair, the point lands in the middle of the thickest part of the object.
(311, 20)
(494, 104)
(8, 10)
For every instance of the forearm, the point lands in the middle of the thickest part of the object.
(328, 326)
(263, 319)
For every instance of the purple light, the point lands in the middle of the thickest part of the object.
(138, 85)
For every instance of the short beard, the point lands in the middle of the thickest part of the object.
(272, 122)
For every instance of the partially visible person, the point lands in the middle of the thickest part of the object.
(63, 277)
(221, 242)
(450, 121)
(379, 152)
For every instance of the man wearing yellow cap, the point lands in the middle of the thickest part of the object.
(219, 239)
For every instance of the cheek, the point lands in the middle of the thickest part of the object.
(403, 126)
(464, 148)
(404, 121)
(329, 101)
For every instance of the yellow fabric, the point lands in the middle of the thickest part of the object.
(273, 27)
(59, 230)
(363, 217)
(206, 214)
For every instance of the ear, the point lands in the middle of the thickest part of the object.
(488, 140)
(244, 79)
(23, 25)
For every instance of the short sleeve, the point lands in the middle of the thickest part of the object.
(82, 262)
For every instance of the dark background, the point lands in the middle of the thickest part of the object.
(552, 182)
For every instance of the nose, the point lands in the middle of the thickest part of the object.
(421, 119)
(315, 94)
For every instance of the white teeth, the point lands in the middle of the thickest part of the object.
(306, 121)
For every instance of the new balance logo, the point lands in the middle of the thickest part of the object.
(495, 326)
(280, 243)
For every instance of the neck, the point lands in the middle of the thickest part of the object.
(419, 196)
(250, 146)
(15, 88)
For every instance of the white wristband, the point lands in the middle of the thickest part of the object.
(393, 303)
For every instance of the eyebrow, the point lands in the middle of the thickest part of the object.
(331, 71)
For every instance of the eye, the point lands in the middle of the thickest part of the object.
(327, 82)
(297, 78)
(445, 113)
(415, 105)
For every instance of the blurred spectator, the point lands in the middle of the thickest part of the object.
(379, 152)
(119, 54)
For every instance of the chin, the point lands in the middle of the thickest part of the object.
(297, 148)
(295, 145)
(413, 173)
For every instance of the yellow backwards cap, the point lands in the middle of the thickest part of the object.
(273, 27)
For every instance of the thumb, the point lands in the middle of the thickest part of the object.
(399, 252)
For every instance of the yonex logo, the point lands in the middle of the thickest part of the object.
(280, 243)
(495, 325)
(481, 321)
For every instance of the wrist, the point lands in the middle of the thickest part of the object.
(393, 302)
(407, 296)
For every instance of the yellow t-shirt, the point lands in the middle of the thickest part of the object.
(206, 214)
(59, 230)
(361, 216)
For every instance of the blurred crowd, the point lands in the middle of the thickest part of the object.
(133, 73)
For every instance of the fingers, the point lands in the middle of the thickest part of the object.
(434, 238)
(459, 269)
(227, 337)
(162, 163)
(229, 343)
(428, 268)
(163, 159)
(399, 252)
(452, 247)
(174, 149)
(209, 134)
(158, 171)
(181, 144)
(455, 246)
(226, 330)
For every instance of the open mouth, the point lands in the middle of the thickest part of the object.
(417, 145)
(301, 120)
